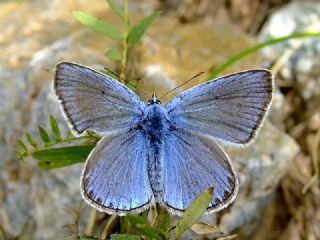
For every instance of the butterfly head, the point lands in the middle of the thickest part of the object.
(154, 100)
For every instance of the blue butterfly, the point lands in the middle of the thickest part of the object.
(166, 154)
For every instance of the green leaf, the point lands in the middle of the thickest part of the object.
(132, 84)
(51, 70)
(237, 57)
(88, 237)
(124, 224)
(55, 128)
(134, 220)
(204, 228)
(97, 25)
(124, 237)
(19, 154)
(31, 140)
(137, 31)
(44, 135)
(63, 156)
(193, 212)
(22, 146)
(163, 219)
(114, 54)
(142, 226)
(116, 8)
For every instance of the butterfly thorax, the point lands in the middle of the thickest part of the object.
(155, 122)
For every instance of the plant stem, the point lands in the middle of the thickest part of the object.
(62, 140)
(315, 162)
(66, 140)
(235, 58)
(3, 233)
(91, 220)
(163, 219)
(124, 52)
(110, 223)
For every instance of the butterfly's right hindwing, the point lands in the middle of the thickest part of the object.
(191, 164)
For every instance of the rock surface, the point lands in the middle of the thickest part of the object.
(32, 200)
(302, 68)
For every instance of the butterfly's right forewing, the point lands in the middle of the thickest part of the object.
(230, 108)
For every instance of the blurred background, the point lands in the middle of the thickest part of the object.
(276, 199)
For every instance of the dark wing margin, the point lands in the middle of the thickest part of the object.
(192, 163)
(92, 100)
(230, 108)
(115, 178)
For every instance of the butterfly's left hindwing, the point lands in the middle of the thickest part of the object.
(115, 178)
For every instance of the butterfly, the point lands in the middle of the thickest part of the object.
(166, 154)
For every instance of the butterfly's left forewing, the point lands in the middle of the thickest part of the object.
(115, 178)
(191, 164)
(92, 100)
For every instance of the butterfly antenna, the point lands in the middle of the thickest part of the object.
(128, 83)
(195, 76)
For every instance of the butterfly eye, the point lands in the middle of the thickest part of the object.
(154, 102)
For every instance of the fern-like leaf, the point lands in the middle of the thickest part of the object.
(44, 135)
(55, 128)
(31, 140)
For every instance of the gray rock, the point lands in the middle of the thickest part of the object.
(302, 67)
(261, 167)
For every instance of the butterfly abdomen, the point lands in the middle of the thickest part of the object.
(155, 125)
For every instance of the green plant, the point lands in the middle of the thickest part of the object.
(239, 56)
(50, 154)
(127, 38)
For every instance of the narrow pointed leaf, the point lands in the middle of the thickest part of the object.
(63, 156)
(240, 55)
(137, 31)
(19, 154)
(31, 140)
(114, 54)
(204, 228)
(163, 219)
(116, 8)
(44, 135)
(124, 237)
(134, 219)
(55, 128)
(97, 25)
(194, 211)
(142, 226)
(22, 146)
(132, 84)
